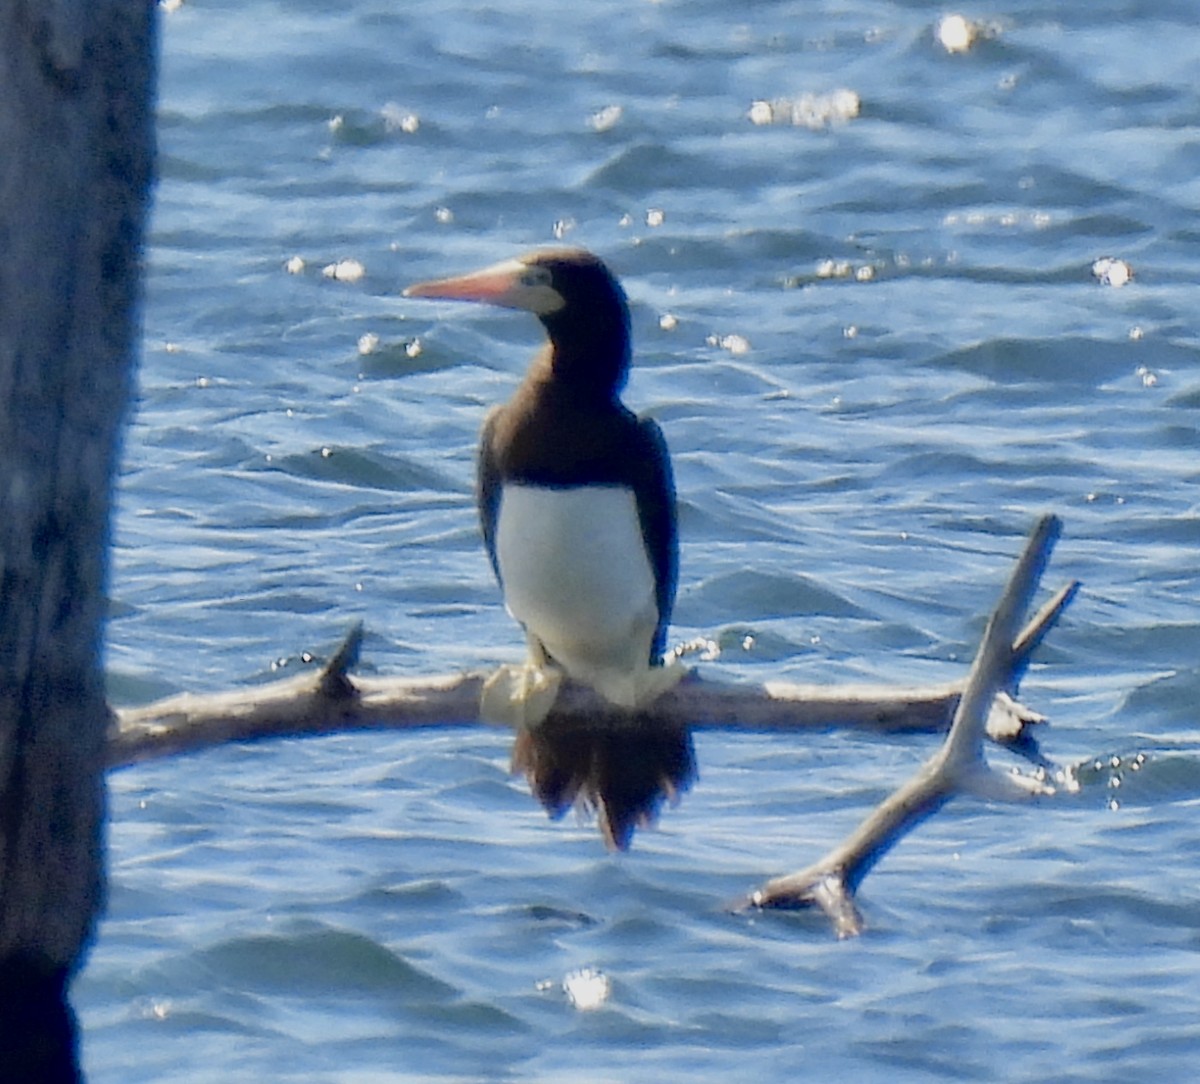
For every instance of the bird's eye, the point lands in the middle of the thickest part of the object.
(536, 276)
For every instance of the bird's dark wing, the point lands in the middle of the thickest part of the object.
(487, 488)
(654, 489)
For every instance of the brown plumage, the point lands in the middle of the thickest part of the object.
(566, 434)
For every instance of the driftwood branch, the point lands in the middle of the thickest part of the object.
(625, 765)
(622, 765)
(328, 700)
(958, 767)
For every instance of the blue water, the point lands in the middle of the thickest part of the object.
(886, 353)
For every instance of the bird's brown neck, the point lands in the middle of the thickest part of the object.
(588, 357)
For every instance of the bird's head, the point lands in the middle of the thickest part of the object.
(577, 299)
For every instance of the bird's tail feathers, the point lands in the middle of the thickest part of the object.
(621, 767)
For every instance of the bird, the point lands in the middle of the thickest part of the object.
(577, 506)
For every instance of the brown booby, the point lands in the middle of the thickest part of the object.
(576, 499)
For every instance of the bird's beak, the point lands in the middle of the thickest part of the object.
(511, 284)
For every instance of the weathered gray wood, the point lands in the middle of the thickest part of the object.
(76, 79)
(330, 700)
(958, 767)
(302, 705)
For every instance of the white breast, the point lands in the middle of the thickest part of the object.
(576, 574)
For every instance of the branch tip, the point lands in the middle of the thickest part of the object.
(334, 681)
(1040, 624)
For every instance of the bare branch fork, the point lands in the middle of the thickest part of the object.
(626, 766)
(958, 767)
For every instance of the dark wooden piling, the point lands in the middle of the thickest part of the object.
(76, 152)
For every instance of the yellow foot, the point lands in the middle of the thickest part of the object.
(656, 680)
(519, 696)
(637, 689)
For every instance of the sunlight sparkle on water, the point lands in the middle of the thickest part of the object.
(808, 111)
(344, 271)
(605, 119)
(396, 119)
(587, 988)
(956, 33)
(1111, 272)
(735, 344)
(702, 647)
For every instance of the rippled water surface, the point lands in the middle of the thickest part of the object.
(877, 345)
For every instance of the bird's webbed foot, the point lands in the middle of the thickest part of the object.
(652, 682)
(520, 696)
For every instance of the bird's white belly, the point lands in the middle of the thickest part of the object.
(576, 574)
